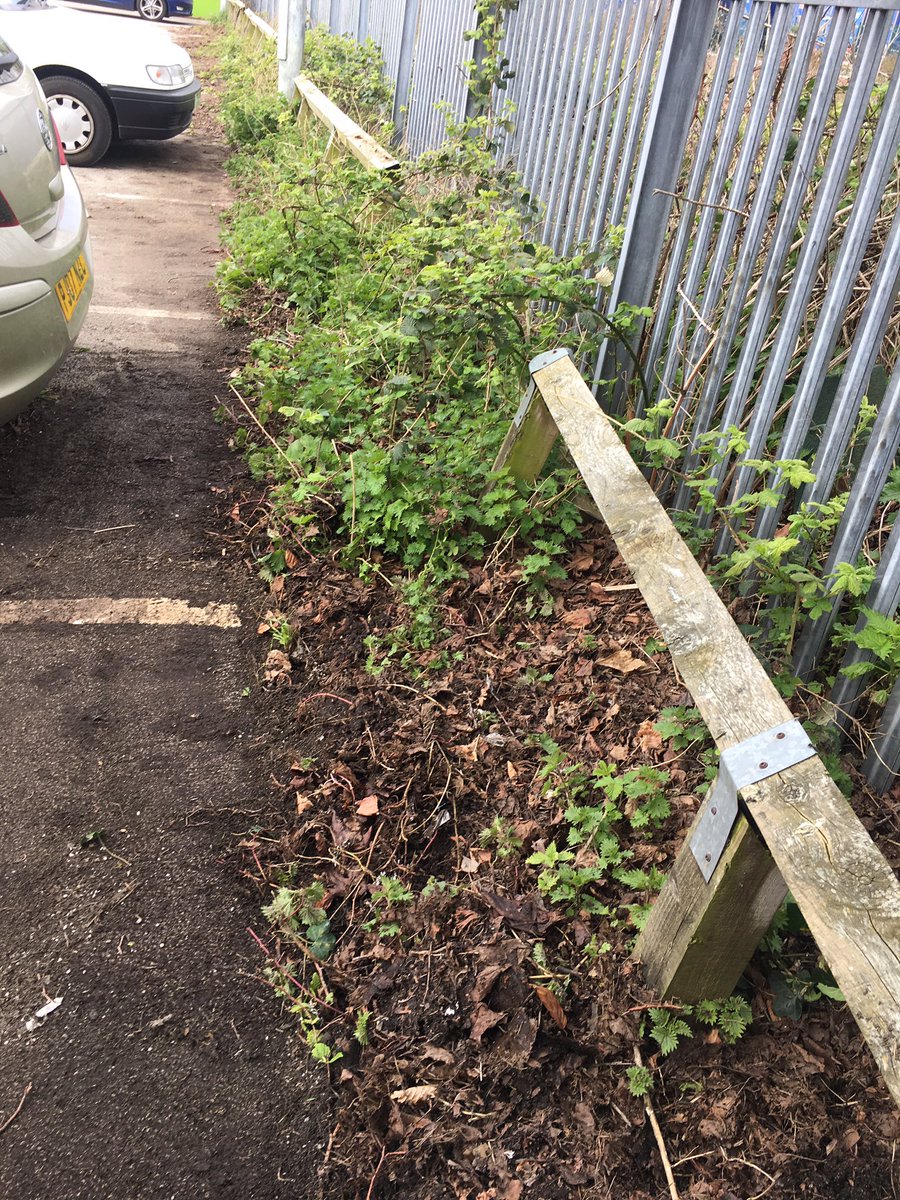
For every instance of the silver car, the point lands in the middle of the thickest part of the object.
(46, 273)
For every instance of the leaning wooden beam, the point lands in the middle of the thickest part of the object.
(242, 12)
(701, 935)
(347, 132)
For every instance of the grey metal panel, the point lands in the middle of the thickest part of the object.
(558, 204)
(783, 235)
(882, 763)
(855, 378)
(561, 130)
(751, 244)
(874, 469)
(880, 162)
(624, 87)
(549, 74)
(815, 238)
(648, 55)
(610, 72)
(592, 142)
(714, 194)
(883, 597)
(681, 68)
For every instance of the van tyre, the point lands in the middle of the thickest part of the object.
(82, 118)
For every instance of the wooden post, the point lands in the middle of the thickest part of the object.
(700, 936)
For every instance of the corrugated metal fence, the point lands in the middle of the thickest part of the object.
(747, 152)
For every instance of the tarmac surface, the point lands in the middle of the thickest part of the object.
(128, 761)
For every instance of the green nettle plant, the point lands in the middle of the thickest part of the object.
(402, 313)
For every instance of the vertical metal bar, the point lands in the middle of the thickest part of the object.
(572, 70)
(723, 167)
(789, 209)
(532, 68)
(814, 240)
(419, 95)
(544, 101)
(749, 141)
(882, 763)
(405, 64)
(880, 162)
(701, 160)
(509, 50)
(883, 597)
(611, 74)
(591, 141)
(564, 177)
(680, 71)
(874, 469)
(636, 124)
(760, 211)
(362, 21)
(565, 123)
(614, 147)
(852, 386)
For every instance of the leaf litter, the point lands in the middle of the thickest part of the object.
(499, 1024)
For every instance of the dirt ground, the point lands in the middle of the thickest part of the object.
(130, 759)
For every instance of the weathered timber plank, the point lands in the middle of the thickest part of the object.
(347, 132)
(847, 892)
(530, 439)
(700, 936)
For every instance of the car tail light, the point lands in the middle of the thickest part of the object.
(7, 216)
(59, 145)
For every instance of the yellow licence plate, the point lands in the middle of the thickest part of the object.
(72, 285)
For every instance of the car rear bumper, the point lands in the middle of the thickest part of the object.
(34, 333)
(34, 339)
(148, 113)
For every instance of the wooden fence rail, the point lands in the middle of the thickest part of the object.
(795, 830)
(344, 132)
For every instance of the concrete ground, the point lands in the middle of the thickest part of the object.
(128, 756)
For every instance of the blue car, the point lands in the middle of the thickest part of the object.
(150, 10)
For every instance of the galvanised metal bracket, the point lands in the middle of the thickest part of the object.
(547, 358)
(755, 759)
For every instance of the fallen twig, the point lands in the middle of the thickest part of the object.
(657, 1133)
(9, 1120)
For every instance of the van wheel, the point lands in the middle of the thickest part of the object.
(82, 118)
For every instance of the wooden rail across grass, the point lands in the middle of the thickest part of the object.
(343, 130)
(239, 12)
(795, 829)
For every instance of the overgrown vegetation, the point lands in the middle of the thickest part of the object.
(399, 314)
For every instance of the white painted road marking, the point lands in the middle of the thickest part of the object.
(103, 610)
(153, 314)
(223, 203)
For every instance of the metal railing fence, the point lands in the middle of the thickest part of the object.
(746, 155)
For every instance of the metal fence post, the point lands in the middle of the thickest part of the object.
(405, 65)
(291, 32)
(362, 21)
(681, 67)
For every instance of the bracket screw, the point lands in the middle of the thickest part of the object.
(780, 736)
(707, 857)
(763, 765)
(713, 810)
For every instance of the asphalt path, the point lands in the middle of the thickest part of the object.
(129, 760)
